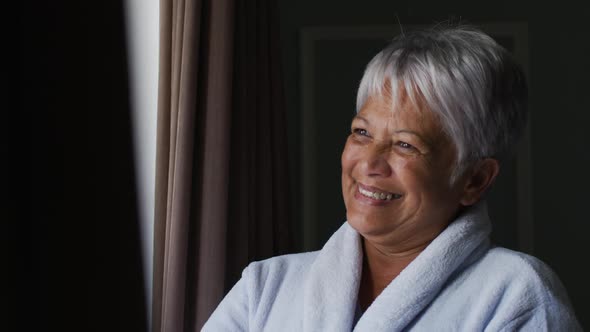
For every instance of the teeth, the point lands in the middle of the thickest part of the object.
(379, 196)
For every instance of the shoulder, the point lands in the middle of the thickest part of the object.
(278, 269)
(501, 278)
(282, 265)
(505, 290)
(516, 264)
(264, 284)
(289, 260)
(524, 272)
(522, 290)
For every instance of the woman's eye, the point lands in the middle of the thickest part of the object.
(405, 145)
(360, 131)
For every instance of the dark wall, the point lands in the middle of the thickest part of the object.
(559, 81)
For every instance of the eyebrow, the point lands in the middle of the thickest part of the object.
(359, 117)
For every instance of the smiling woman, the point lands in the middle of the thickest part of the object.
(435, 111)
(395, 170)
(399, 154)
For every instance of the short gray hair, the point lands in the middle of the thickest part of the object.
(465, 78)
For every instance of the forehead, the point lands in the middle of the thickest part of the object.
(404, 113)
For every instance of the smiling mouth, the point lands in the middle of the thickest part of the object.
(378, 195)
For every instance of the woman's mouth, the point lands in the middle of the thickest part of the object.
(377, 194)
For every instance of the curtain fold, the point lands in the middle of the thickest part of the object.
(221, 168)
(259, 178)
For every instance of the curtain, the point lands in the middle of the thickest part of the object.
(221, 169)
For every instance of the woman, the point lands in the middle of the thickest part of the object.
(436, 111)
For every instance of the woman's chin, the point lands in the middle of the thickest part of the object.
(367, 225)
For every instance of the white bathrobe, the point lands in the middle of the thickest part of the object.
(458, 283)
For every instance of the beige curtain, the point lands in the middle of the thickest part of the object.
(196, 39)
(220, 130)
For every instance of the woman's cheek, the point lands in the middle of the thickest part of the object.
(348, 155)
(410, 170)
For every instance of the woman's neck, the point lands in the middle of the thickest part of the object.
(380, 267)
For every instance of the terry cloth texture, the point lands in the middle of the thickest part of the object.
(460, 282)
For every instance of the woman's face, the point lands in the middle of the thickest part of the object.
(396, 168)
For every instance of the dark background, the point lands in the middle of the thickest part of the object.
(79, 262)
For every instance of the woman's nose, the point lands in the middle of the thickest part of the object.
(375, 161)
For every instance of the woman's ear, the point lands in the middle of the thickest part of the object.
(482, 176)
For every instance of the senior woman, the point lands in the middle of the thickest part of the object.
(436, 110)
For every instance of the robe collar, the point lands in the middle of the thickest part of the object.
(331, 290)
